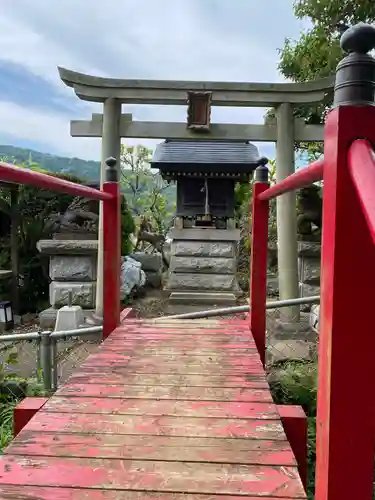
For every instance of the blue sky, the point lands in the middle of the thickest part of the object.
(223, 40)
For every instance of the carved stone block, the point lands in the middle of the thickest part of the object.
(309, 290)
(203, 249)
(83, 294)
(213, 282)
(219, 265)
(73, 268)
(67, 247)
(309, 270)
(309, 249)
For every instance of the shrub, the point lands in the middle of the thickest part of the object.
(295, 383)
(35, 206)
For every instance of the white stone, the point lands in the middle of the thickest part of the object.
(69, 318)
(314, 318)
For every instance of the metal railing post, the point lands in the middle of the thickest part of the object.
(46, 360)
(38, 360)
(54, 362)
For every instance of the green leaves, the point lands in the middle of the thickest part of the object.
(328, 13)
(317, 52)
(147, 194)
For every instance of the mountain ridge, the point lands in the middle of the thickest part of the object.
(85, 169)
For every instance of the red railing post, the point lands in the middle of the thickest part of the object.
(258, 266)
(112, 249)
(345, 406)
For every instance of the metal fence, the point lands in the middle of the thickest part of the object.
(45, 358)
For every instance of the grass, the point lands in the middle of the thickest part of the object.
(7, 405)
(295, 383)
(6, 423)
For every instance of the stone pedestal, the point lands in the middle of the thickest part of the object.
(203, 267)
(73, 266)
(309, 268)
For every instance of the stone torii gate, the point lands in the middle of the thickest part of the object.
(112, 125)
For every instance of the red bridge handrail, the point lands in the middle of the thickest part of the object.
(110, 195)
(302, 178)
(361, 165)
(19, 175)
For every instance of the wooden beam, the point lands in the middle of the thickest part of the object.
(170, 130)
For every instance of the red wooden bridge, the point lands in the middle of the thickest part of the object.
(172, 410)
(166, 410)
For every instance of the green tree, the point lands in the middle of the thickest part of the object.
(147, 194)
(29, 210)
(317, 52)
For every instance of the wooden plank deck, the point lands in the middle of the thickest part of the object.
(173, 410)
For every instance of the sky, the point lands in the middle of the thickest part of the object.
(210, 40)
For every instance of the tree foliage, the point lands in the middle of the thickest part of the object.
(317, 52)
(35, 207)
(148, 195)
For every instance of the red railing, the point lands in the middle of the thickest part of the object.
(302, 178)
(262, 193)
(362, 154)
(345, 409)
(110, 196)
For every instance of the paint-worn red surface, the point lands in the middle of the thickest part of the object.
(162, 411)
(345, 432)
(24, 411)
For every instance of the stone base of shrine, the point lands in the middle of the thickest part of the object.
(186, 302)
(202, 271)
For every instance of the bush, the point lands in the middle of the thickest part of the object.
(35, 206)
(296, 384)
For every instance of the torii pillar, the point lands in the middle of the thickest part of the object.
(286, 214)
(111, 147)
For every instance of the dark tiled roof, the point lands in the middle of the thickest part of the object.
(206, 152)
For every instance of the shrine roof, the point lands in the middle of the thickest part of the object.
(174, 152)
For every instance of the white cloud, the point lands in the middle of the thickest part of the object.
(161, 39)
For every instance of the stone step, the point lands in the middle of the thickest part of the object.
(222, 299)
(197, 282)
